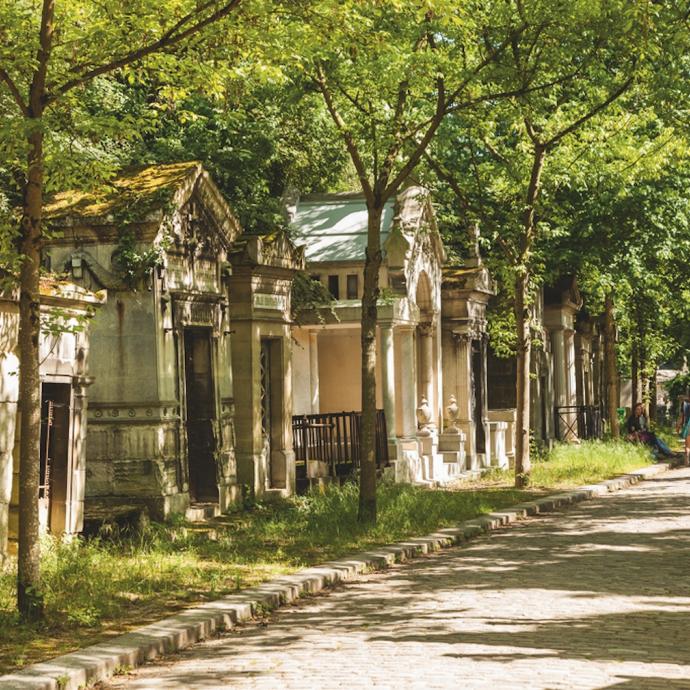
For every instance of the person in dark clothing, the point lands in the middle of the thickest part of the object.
(638, 431)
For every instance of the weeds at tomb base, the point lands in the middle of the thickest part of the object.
(100, 587)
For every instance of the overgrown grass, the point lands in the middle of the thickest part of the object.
(100, 587)
(588, 462)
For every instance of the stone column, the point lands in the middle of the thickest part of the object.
(559, 367)
(426, 360)
(388, 376)
(571, 375)
(408, 380)
(314, 371)
(465, 394)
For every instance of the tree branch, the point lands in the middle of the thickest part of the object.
(589, 115)
(170, 38)
(422, 145)
(394, 148)
(36, 103)
(345, 133)
(444, 175)
(16, 95)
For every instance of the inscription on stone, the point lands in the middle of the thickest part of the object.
(264, 301)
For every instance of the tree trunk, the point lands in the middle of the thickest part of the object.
(524, 352)
(651, 394)
(367, 478)
(635, 374)
(29, 595)
(644, 377)
(522, 317)
(611, 367)
(29, 592)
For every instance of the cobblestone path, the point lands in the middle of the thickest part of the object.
(597, 596)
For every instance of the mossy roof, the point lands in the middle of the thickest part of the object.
(454, 275)
(139, 189)
(53, 285)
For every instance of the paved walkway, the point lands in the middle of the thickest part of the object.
(595, 597)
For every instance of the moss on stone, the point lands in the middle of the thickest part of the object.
(143, 188)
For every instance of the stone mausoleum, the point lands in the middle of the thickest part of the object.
(182, 416)
(66, 313)
(431, 337)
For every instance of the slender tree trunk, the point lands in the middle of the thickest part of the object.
(610, 364)
(522, 317)
(635, 374)
(29, 591)
(367, 479)
(651, 394)
(524, 353)
(644, 377)
(29, 596)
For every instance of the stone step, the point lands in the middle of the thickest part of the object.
(198, 512)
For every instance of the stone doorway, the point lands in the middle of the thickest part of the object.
(272, 411)
(200, 406)
(266, 407)
(54, 456)
(478, 396)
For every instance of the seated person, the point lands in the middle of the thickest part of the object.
(639, 432)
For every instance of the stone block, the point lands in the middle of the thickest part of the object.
(427, 444)
(317, 468)
(451, 442)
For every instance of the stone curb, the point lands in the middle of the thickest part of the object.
(98, 662)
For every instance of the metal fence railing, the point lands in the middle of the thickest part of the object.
(335, 439)
(578, 422)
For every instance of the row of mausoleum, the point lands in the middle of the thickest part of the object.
(200, 386)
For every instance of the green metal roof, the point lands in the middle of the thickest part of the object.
(334, 227)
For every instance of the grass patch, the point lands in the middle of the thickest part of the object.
(588, 462)
(101, 587)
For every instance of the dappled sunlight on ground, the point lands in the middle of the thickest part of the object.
(595, 597)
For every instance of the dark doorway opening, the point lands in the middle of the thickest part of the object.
(271, 411)
(201, 413)
(544, 411)
(55, 455)
(478, 395)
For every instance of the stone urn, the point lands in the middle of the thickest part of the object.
(424, 418)
(452, 412)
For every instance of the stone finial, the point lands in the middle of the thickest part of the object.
(475, 258)
(453, 411)
(424, 418)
